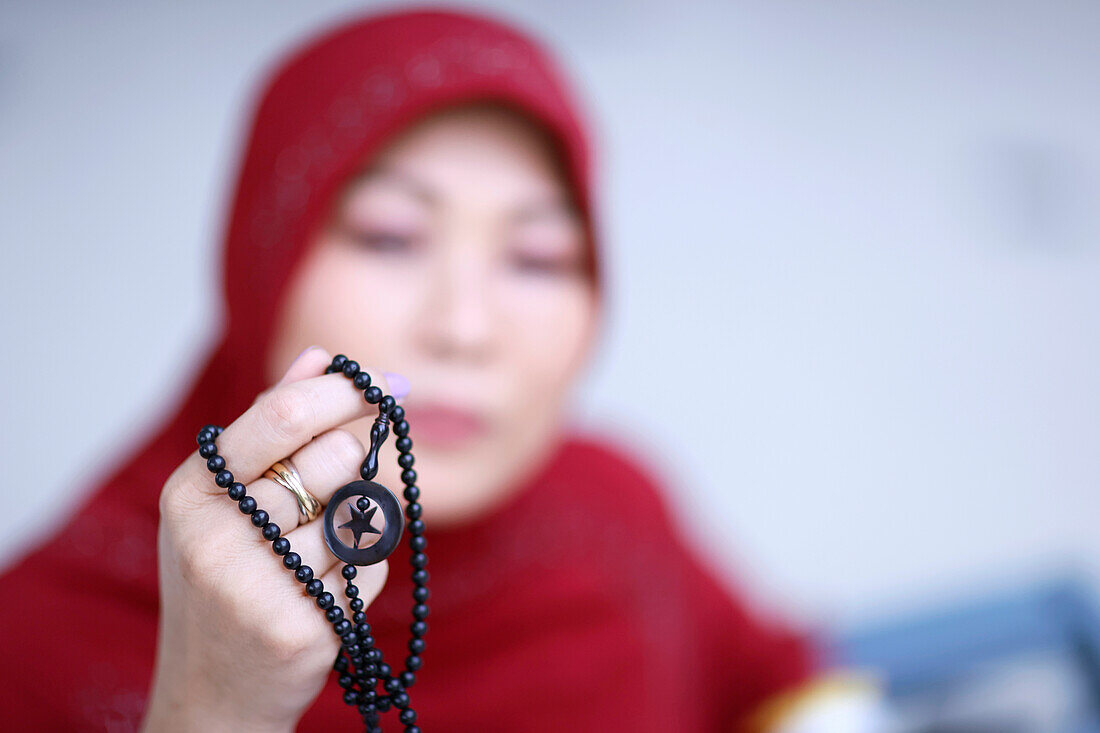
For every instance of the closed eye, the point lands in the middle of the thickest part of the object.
(536, 264)
(383, 242)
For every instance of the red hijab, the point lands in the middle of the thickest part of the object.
(574, 605)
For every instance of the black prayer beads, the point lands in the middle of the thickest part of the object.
(359, 663)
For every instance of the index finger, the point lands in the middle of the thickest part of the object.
(288, 417)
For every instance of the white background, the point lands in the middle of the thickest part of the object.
(855, 246)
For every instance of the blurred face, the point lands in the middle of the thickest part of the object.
(456, 260)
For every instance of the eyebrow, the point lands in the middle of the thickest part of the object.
(554, 206)
(416, 188)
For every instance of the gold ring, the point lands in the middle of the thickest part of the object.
(286, 475)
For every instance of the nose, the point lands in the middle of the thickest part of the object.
(458, 320)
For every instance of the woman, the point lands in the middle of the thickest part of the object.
(415, 193)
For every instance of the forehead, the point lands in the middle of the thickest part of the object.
(486, 154)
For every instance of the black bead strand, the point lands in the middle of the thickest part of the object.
(359, 664)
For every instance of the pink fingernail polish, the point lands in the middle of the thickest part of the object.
(399, 385)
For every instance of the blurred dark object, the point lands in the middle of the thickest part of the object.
(1021, 661)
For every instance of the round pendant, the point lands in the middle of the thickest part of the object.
(360, 519)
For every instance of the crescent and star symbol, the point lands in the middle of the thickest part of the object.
(360, 523)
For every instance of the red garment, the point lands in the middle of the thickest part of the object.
(574, 605)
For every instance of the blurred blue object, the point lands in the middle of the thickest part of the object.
(1022, 661)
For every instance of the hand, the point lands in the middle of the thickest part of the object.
(241, 646)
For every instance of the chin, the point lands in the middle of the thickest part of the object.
(458, 494)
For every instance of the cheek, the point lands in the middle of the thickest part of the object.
(336, 302)
(550, 325)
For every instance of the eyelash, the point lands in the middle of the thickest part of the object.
(385, 242)
(544, 265)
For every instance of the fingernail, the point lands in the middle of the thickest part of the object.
(399, 385)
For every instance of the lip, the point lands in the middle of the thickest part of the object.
(444, 425)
